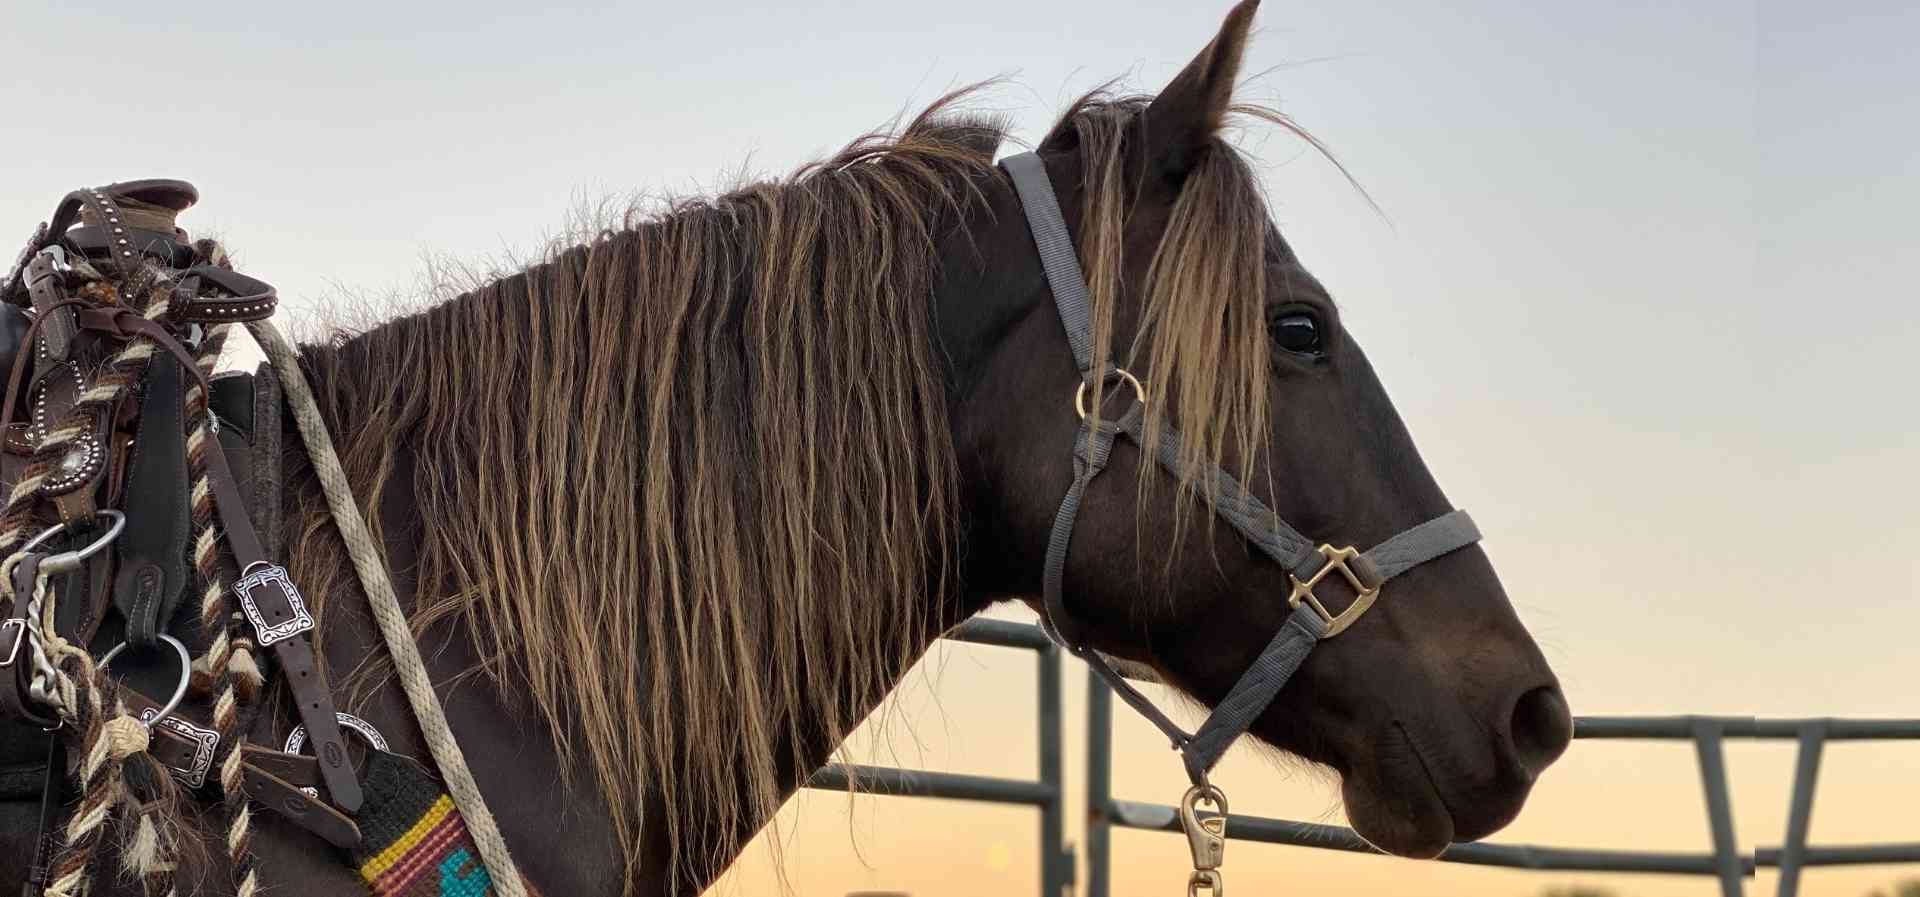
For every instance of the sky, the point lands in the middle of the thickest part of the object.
(1642, 290)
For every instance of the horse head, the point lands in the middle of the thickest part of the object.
(1209, 341)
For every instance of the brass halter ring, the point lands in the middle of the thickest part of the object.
(1120, 374)
(1337, 559)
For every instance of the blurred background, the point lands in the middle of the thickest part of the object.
(1643, 292)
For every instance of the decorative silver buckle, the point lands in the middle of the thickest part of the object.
(264, 574)
(206, 741)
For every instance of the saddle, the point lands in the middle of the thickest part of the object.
(109, 324)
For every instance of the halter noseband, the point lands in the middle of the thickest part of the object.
(1306, 563)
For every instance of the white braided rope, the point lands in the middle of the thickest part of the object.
(387, 613)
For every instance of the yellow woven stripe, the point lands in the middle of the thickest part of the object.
(381, 861)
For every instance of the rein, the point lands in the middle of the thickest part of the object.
(1306, 563)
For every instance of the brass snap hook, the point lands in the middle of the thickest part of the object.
(1206, 837)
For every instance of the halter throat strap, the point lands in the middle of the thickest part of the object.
(1306, 562)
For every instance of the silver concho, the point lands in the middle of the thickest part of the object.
(297, 739)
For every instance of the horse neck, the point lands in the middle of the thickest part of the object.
(992, 295)
(399, 396)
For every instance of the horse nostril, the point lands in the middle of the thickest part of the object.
(1542, 727)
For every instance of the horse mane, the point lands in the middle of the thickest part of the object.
(1200, 342)
(688, 483)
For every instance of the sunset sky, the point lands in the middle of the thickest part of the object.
(1643, 292)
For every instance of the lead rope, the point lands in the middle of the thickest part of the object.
(364, 553)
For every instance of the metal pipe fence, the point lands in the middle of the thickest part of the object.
(1045, 793)
(1708, 734)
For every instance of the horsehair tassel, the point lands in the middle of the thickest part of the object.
(362, 550)
(106, 741)
(149, 853)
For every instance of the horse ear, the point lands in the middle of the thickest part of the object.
(1182, 120)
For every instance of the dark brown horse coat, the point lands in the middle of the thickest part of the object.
(676, 507)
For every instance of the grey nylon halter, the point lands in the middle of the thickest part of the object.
(1306, 563)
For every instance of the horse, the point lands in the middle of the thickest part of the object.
(675, 507)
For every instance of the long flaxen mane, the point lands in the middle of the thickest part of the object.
(688, 483)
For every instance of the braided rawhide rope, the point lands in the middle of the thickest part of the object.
(229, 660)
(105, 737)
(93, 717)
(95, 720)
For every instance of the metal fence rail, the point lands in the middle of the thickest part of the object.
(1708, 734)
(1045, 793)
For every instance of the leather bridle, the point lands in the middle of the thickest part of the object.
(1307, 564)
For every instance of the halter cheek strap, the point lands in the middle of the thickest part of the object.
(1306, 562)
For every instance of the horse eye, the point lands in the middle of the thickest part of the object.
(1298, 332)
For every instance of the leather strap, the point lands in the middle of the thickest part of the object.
(275, 779)
(16, 673)
(249, 299)
(101, 207)
(52, 799)
(152, 575)
(266, 593)
(162, 247)
(51, 304)
(272, 602)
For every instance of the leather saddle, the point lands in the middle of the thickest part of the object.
(135, 461)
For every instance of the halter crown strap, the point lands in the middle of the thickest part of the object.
(1057, 255)
(1307, 625)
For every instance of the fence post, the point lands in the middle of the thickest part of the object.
(1713, 779)
(1099, 783)
(1056, 865)
(1813, 737)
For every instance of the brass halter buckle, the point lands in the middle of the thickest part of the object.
(1337, 559)
(1207, 837)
